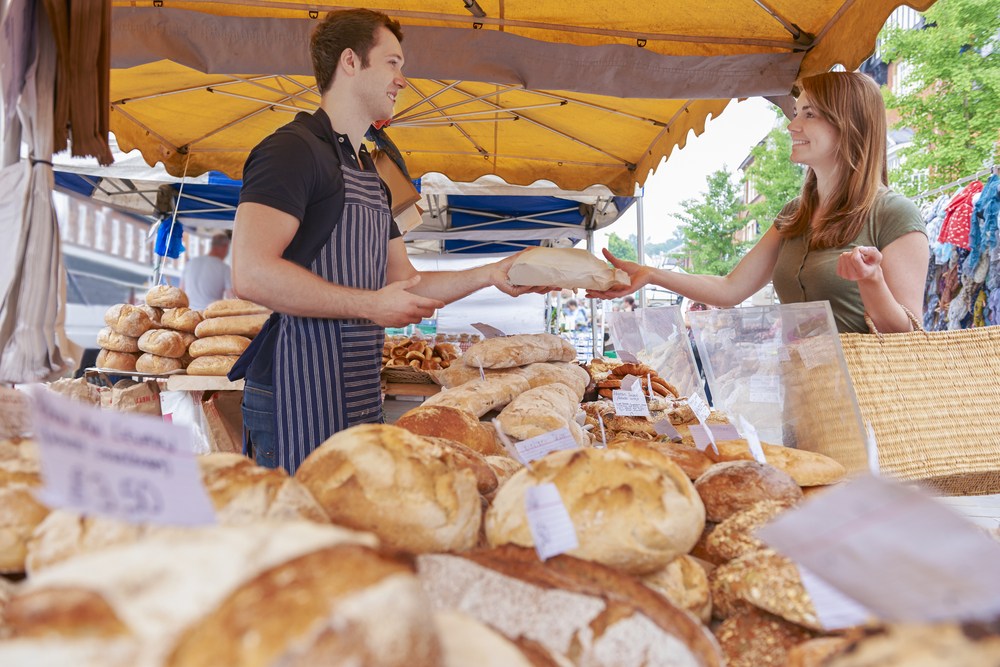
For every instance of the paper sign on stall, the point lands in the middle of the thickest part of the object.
(130, 467)
(702, 411)
(719, 432)
(835, 610)
(627, 357)
(538, 447)
(549, 522)
(630, 403)
(753, 440)
(765, 389)
(14, 420)
(629, 384)
(894, 550)
(664, 427)
(488, 331)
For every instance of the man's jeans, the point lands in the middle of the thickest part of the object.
(258, 424)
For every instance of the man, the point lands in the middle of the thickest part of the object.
(208, 278)
(314, 240)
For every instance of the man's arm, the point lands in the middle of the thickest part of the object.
(260, 274)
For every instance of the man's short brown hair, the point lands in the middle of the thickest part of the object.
(355, 29)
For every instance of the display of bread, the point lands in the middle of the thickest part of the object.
(164, 343)
(685, 583)
(418, 353)
(214, 345)
(154, 363)
(733, 486)
(109, 339)
(215, 364)
(409, 491)
(481, 396)
(165, 296)
(20, 513)
(629, 514)
(238, 325)
(118, 361)
(441, 421)
(541, 410)
(128, 320)
(181, 319)
(806, 468)
(231, 307)
(519, 350)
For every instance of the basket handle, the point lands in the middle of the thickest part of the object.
(917, 324)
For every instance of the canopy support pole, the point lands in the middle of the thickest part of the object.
(640, 247)
(593, 302)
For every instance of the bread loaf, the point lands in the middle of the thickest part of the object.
(230, 307)
(216, 364)
(20, 513)
(116, 342)
(154, 363)
(468, 459)
(468, 643)
(218, 345)
(504, 468)
(238, 325)
(408, 491)
(118, 361)
(154, 314)
(481, 396)
(735, 536)
(165, 296)
(727, 488)
(806, 468)
(629, 514)
(127, 320)
(684, 583)
(757, 638)
(818, 651)
(164, 342)
(181, 319)
(458, 373)
(451, 423)
(539, 411)
(519, 351)
(923, 645)
(688, 459)
(571, 375)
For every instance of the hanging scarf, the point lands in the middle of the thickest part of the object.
(988, 209)
(978, 319)
(955, 229)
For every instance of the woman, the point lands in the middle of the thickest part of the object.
(847, 238)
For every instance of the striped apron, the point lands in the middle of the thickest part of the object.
(326, 372)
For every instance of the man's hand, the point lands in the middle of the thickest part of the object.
(395, 307)
(640, 276)
(498, 278)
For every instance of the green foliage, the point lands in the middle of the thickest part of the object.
(774, 176)
(622, 249)
(663, 248)
(709, 224)
(954, 96)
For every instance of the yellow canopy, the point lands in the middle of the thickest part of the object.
(578, 92)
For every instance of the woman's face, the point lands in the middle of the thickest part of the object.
(814, 140)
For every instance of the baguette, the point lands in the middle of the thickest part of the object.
(237, 325)
(519, 351)
(218, 345)
(481, 396)
(231, 307)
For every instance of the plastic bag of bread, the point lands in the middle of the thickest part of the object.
(519, 350)
(566, 268)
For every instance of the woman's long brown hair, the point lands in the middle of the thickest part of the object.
(852, 103)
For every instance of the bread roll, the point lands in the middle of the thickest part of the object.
(408, 491)
(684, 583)
(539, 411)
(163, 342)
(154, 314)
(519, 351)
(20, 513)
(127, 320)
(67, 534)
(452, 423)
(571, 375)
(458, 373)
(757, 638)
(216, 364)
(116, 342)
(735, 536)
(230, 307)
(165, 296)
(806, 468)
(238, 325)
(218, 345)
(629, 514)
(688, 459)
(727, 488)
(181, 319)
(118, 361)
(154, 363)
(481, 396)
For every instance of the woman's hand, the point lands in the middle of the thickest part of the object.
(862, 264)
(640, 276)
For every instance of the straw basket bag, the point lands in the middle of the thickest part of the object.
(933, 399)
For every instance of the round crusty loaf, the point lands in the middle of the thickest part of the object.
(164, 342)
(628, 513)
(165, 296)
(806, 468)
(407, 490)
(239, 325)
(154, 363)
(727, 488)
(116, 342)
(441, 421)
(117, 361)
(218, 345)
(469, 459)
(230, 307)
(684, 583)
(127, 320)
(215, 364)
(181, 319)
(154, 314)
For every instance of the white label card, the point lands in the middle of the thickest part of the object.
(701, 411)
(664, 427)
(719, 432)
(629, 403)
(772, 350)
(835, 610)
(488, 331)
(535, 448)
(627, 357)
(765, 389)
(816, 350)
(14, 419)
(130, 467)
(482, 373)
(551, 528)
(604, 438)
(753, 440)
(629, 384)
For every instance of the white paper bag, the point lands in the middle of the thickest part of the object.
(567, 268)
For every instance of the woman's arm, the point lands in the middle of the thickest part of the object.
(889, 278)
(751, 274)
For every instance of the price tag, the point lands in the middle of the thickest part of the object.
(604, 438)
(488, 331)
(756, 450)
(835, 610)
(629, 403)
(720, 432)
(14, 419)
(627, 357)
(702, 411)
(871, 447)
(482, 373)
(664, 427)
(538, 447)
(765, 389)
(549, 522)
(770, 350)
(629, 383)
(130, 467)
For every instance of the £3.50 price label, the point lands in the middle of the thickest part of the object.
(129, 467)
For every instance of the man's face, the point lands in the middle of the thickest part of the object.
(379, 83)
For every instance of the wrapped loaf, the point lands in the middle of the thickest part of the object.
(519, 351)
(567, 268)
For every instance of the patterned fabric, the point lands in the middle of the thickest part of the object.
(978, 319)
(955, 229)
(987, 209)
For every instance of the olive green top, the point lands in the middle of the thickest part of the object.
(801, 274)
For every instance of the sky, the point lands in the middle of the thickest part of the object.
(727, 140)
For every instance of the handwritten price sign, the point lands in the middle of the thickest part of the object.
(129, 467)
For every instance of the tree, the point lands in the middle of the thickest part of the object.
(773, 175)
(663, 248)
(954, 93)
(622, 249)
(709, 224)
